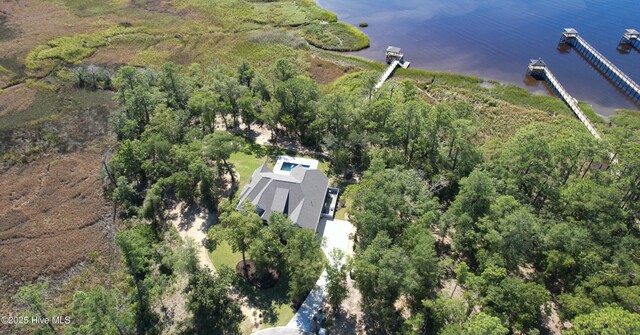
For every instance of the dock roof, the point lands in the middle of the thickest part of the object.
(537, 63)
(393, 49)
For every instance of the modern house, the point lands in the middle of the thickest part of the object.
(294, 187)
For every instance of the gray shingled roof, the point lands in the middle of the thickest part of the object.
(300, 195)
(537, 62)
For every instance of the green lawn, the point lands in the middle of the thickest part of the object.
(284, 312)
(245, 164)
(224, 256)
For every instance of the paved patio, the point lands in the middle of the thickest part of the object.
(336, 234)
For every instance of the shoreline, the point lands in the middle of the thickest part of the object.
(539, 88)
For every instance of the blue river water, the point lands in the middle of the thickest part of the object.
(494, 39)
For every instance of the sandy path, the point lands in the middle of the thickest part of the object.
(193, 224)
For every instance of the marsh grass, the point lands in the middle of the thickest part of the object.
(43, 108)
(233, 52)
(151, 57)
(6, 33)
(42, 85)
(91, 7)
(278, 36)
(11, 66)
(336, 36)
(351, 82)
(7, 77)
(233, 14)
(597, 120)
(314, 12)
(521, 97)
(278, 13)
(69, 49)
(626, 118)
(418, 75)
(349, 60)
(184, 31)
(495, 119)
(438, 78)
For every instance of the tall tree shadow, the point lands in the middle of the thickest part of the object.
(346, 323)
(267, 301)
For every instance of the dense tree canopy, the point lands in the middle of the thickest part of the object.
(548, 214)
(546, 200)
(214, 312)
(607, 320)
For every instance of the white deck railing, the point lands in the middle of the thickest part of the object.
(571, 102)
(632, 84)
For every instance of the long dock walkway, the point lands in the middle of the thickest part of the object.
(571, 37)
(386, 74)
(539, 69)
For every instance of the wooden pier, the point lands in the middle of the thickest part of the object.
(571, 37)
(387, 73)
(539, 70)
(395, 58)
